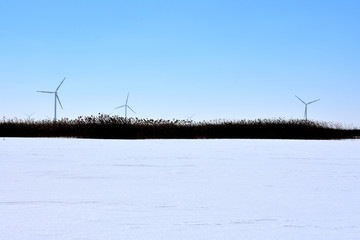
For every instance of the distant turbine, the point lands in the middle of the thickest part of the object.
(126, 107)
(306, 104)
(57, 99)
(29, 116)
(190, 117)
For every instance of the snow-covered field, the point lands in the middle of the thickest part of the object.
(179, 189)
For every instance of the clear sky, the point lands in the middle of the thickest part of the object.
(217, 59)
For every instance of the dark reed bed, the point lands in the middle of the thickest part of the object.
(115, 127)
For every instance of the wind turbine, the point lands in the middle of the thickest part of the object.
(126, 107)
(190, 117)
(57, 99)
(306, 104)
(29, 116)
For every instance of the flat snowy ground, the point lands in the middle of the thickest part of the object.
(179, 189)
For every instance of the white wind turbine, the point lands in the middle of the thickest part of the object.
(126, 106)
(29, 116)
(306, 104)
(189, 118)
(57, 99)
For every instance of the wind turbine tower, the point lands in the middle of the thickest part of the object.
(126, 106)
(306, 104)
(57, 99)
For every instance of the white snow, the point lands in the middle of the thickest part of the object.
(179, 189)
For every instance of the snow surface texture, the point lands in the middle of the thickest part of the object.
(179, 189)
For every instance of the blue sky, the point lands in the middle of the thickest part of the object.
(217, 59)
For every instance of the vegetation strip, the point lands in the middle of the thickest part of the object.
(115, 127)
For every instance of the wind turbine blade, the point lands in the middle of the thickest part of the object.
(120, 107)
(300, 99)
(127, 98)
(314, 101)
(131, 109)
(44, 92)
(60, 84)
(59, 101)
